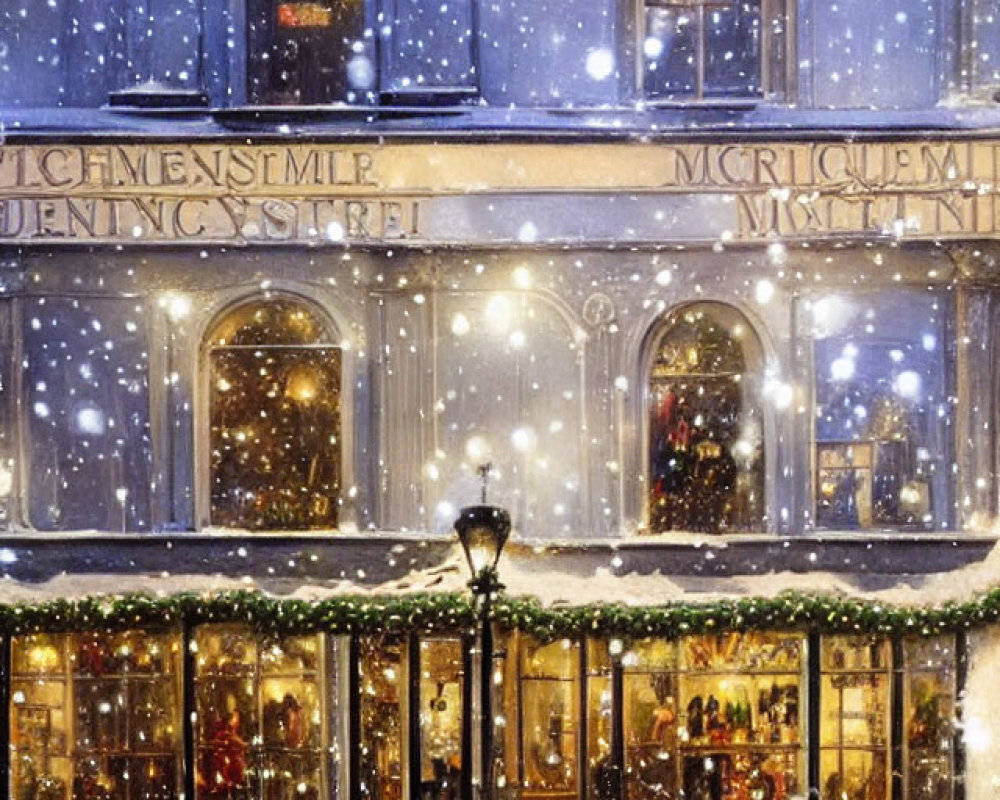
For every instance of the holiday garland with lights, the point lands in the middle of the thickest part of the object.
(427, 613)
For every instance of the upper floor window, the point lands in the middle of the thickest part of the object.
(309, 53)
(274, 410)
(702, 49)
(706, 459)
(321, 53)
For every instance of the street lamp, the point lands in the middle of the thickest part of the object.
(483, 531)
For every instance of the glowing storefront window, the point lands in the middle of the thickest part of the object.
(96, 715)
(854, 718)
(274, 384)
(715, 716)
(706, 453)
(262, 727)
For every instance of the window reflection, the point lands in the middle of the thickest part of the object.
(929, 717)
(702, 48)
(383, 726)
(706, 442)
(882, 412)
(602, 779)
(275, 419)
(549, 706)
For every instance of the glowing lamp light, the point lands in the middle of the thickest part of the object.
(482, 531)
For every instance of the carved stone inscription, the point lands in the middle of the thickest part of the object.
(198, 193)
(356, 193)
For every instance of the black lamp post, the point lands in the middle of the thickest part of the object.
(483, 531)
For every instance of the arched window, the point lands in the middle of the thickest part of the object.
(274, 411)
(706, 455)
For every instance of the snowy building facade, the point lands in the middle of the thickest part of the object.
(710, 285)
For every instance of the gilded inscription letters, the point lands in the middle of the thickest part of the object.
(309, 193)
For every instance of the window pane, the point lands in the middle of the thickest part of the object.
(87, 385)
(441, 689)
(430, 45)
(882, 411)
(96, 715)
(600, 721)
(383, 661)
(260, 714)
(733, 49)
(706, 441)
(670, 52)
(651, 719)
(854, 718)
(275, 421)
(716, 716)
(550, 717)
(929, 714)
(308, 53)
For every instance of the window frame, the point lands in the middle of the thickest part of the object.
(202, 408)
(753, 380)
(238, 93)
(777, 69)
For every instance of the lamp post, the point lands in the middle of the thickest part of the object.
(483, 530)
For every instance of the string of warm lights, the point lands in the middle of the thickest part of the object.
(448, 612)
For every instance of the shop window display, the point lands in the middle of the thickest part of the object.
(706, 459)
(929, 718)
(713, 717)
(274, 383)
(544, 708)
(882, 411)
(442, 688)
(262, 726)
(384, 745)
(600, 718)
(96, 716)
(854, 718)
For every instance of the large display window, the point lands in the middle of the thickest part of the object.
(263, 722)
(715, 717)
(855, 718)
(96, 716)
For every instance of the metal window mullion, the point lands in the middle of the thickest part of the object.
(354, 719)
(618, 724)
(583, 734)
(468, 645)
(958, 747)
(897, 724)
(5, 705)
(412, 714)
(700, 53)
(189, 709)
(814, 719)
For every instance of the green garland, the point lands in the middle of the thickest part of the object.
(457, 613)
(424, 613)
